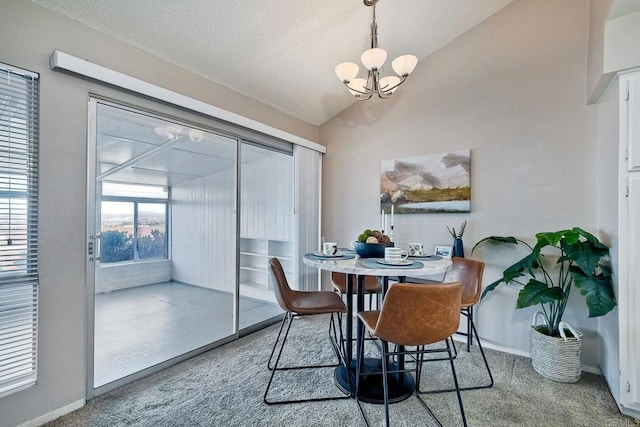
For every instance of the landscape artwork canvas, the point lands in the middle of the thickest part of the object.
(431, 183)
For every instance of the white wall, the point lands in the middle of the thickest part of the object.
(111, 277)
(203, 219)
(30, 33)
(203, 232)
(598, 14)
(513, 90)
(266, 199)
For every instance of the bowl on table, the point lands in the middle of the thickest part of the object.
(371, 250)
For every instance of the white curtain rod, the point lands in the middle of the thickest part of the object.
(63, 61)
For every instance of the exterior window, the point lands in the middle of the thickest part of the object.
(18, 228)
(133, 223)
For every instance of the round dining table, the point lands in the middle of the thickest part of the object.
(370, 387)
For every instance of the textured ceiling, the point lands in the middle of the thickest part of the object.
(280, 52)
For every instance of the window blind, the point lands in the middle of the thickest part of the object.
(308, 188)
(18, 228)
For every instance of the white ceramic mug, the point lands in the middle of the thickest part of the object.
(416, 249)
(395, 255)
(329, 248)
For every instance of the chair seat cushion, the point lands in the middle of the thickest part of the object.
(369, 319)
(320, 302)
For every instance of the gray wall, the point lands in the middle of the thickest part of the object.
(29, 34)
(513, 90)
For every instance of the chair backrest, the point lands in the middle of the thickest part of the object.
(284, 294)
(340, 279)
(415, 314)
(468, 272)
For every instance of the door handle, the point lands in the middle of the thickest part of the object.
(94, 247)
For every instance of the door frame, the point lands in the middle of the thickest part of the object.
(92, 212)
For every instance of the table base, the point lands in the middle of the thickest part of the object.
(371, 388)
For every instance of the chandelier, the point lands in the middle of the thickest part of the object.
(373, 59)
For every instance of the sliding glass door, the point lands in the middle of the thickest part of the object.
(165, 240)
(183, 222)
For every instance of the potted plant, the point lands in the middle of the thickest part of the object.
(546, 282)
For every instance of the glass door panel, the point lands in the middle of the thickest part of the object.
(266, 229)
(165, 277)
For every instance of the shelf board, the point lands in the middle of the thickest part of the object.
(254, 285)
(259, 254)
(258, 269)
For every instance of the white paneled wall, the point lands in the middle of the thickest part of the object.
(266, 201)
(203, 236)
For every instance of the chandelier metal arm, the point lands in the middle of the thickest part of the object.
(402, 79)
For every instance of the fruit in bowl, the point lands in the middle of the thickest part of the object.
(373, 236)
(371, 244)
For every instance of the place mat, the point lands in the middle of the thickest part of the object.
(329, 258)
(426, 257)
(373, 263)
(404, 262)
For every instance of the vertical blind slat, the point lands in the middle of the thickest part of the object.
(19, 109)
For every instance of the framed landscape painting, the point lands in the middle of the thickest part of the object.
(431, 183)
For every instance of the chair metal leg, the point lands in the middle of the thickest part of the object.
(290, 317)
(288, 368)
(419, 359)
(359, 363)
(284, 319)
(486, 364)
(455, 380)
(385, 381)
(342, 341)
(469, 322)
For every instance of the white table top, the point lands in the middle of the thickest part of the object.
(355, 266)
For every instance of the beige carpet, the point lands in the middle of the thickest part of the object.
(224, 387)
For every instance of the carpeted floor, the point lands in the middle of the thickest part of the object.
(224, 387)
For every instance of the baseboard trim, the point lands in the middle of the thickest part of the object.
(54, 414)
(585, 368)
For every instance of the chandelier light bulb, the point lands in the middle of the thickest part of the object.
(387, 83)
(374, 58)
(404, 65)
(347, 71)
(357, 86)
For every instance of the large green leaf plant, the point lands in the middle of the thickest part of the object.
(579, 262)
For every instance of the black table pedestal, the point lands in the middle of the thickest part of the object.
(401, 385)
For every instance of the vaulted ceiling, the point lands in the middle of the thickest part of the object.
(279, 52)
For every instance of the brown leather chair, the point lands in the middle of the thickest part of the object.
(413, 315)
(469, 273)
(371, 285)
(299, 303)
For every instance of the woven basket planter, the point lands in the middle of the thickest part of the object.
(556, 358)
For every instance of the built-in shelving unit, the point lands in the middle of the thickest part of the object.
(255, 275)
